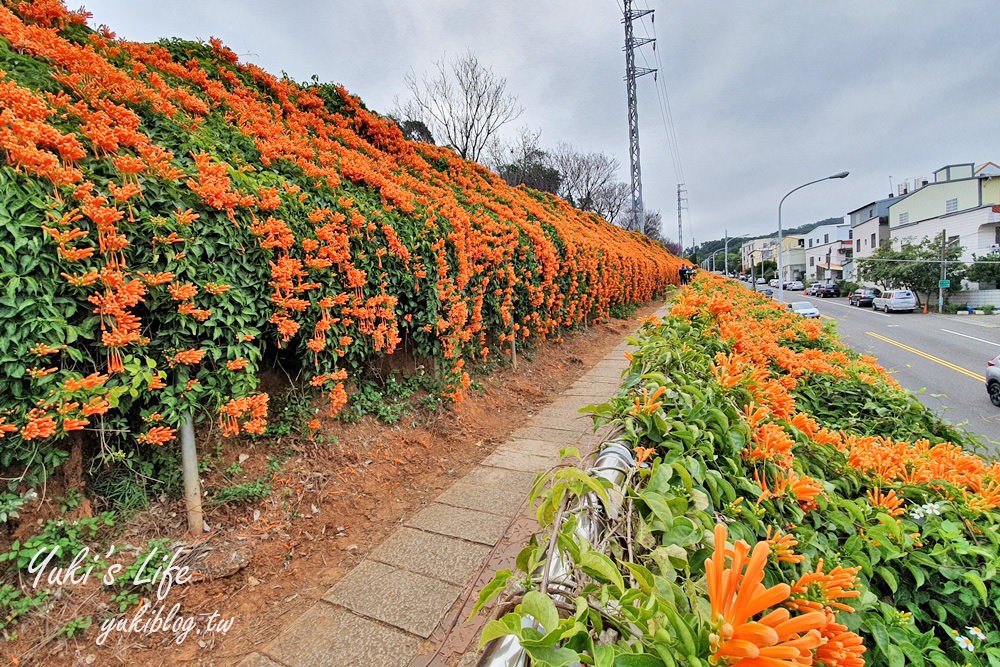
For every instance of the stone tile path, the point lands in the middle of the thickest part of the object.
(407, 603)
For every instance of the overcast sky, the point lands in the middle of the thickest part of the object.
(765, 95)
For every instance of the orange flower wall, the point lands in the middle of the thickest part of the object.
(190, 212)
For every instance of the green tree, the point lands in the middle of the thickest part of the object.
(415, 130)
(985, 270)
(915, 266)
(767, 269)
(523, 162)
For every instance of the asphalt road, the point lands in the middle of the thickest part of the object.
(940, 358)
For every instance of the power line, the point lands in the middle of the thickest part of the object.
(663, 100)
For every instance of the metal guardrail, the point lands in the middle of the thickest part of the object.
(614, 462)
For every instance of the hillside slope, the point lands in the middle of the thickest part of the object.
(170, 216)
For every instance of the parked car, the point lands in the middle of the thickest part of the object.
(773, 282)
(828, 289)
(804, 308)
(862, 297)
(993, 380)
(895, 301)
(811, 290)
(761, 281)
(796, 286)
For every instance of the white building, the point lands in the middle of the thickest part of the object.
(963, 201)
(827, 249)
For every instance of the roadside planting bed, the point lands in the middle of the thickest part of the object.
(793, 506)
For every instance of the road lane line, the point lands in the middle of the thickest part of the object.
(850, 307)
(988, 342)
(929, 357)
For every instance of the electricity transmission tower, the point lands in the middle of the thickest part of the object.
(631, 74)
(680, 205)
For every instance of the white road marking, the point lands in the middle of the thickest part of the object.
(844, 305)
(988, 342)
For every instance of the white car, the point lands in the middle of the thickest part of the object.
(993, 380)
(895, 300)
(804, 308)
(773, 282)
(796, 286)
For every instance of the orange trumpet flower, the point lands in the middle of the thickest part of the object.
(737, 594)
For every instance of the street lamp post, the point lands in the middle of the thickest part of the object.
(713, 258)
(726, 258)
(781, 275)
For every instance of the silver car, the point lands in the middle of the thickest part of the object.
(895, 300)
(804, 308)
(993, 380)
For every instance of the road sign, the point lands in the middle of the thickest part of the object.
(944, 284)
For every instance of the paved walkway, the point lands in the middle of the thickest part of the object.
(407, 603)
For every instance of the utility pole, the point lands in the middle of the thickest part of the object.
(631, 74)
(944, 273)
(680, 204)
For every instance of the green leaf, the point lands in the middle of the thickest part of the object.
(889, 577)
(895, 655)
(601, 567)
(491, 590)
(567, 452)
(604, 656)
(552, 657)
(917, 572)
(659, 507)
(978, 584)
(643, 577)
(540, 607)
(510, 624)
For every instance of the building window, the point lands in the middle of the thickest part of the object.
(904, 217)
(812, 261)
(858, 242)
(951, 206)
(873, 239)
(810, 243)
(826, 238)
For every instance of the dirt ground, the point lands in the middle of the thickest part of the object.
(330, 504)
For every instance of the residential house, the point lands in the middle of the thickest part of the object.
(963, 201)
(870, 227)
(827, 249)
(793, 261)
(755, 251)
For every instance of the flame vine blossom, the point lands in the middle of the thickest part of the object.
(374, 243)
(737, 594)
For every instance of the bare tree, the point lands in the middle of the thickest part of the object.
(611, 201)
(652, 225)
(463, 103)
(589, 181)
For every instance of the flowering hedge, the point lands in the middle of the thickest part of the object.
(795, 506)
(168, 214)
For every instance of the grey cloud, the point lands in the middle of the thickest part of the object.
(765, 95)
